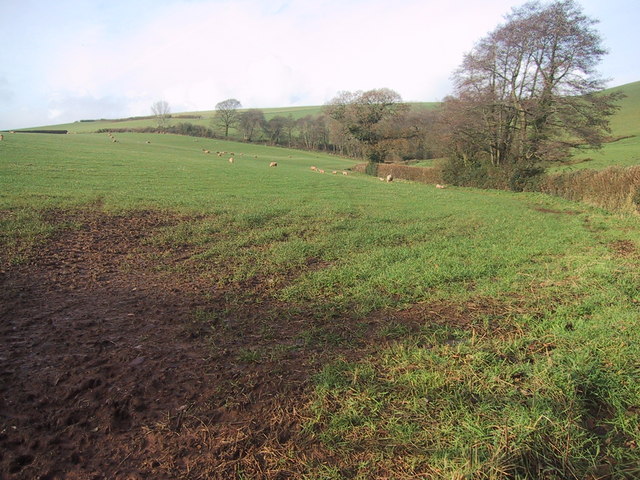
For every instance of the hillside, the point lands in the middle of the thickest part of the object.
(205, 117)
(626, 124)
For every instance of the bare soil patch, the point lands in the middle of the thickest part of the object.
(103, 375)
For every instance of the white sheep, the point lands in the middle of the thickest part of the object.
(440, 186)
(345, 173)
(314, 169)
(389, 178)
(273, 164)
(230, 159)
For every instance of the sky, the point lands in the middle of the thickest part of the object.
(71, 60)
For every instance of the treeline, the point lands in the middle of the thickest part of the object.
(320, 132)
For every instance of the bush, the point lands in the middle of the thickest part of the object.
(525, 179)
(372, 169)
(614, 188)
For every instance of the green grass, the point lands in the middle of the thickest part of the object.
(625, 123)
(531, 370)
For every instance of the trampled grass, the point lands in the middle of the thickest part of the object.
(508, 339)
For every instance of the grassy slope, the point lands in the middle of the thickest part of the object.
(207, 115)
(625, 123)
(544, 381)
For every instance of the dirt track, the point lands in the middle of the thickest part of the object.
(105, 374)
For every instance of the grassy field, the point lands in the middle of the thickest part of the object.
(508, 343)
(205, 120)
(625, 124)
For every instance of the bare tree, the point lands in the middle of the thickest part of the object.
(250, 122)
(368, 118)
(161, 112)
(528, 91)
(227, 114)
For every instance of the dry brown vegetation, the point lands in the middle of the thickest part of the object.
(615, 188)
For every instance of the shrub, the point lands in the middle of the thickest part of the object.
(615, 188)
(525, 179)
(372, 169)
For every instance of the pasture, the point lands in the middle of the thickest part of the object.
(625, 126)
(168, 314)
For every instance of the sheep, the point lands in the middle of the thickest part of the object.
(389, 178)
(320, 170)
(273, 164)
(314, 169)
(230, 159)
(335, 172)
(345, 173)
(440, 186)
(381, 179)
(206, 151)
(114, 140)
(1, 137)
(147, 142)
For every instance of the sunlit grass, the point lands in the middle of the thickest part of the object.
(543, 384)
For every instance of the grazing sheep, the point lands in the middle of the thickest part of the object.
(219, 154)
(440, 186)
(314, 169)
(147, 141)
(1, 137)
(335, 172)
(230, 159)
(273, 164)
(206, 151)
(345, 173)
(381, 179)
(389, 178)
(12, 131)
(320, 170)
(114, 140)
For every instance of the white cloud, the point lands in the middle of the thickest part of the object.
(193, 54)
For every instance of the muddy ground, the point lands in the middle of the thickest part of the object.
(120, 361)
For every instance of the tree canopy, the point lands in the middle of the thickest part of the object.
(528, 91)
(367, 118)
(227, 114)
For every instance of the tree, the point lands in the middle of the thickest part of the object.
(161, 112)
(528, 91)
(275, 127)
(227, 114)
(368, 118)
(250, 122)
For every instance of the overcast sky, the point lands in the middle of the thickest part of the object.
(69, 60)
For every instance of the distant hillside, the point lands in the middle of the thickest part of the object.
(625, 123)
(197, 118)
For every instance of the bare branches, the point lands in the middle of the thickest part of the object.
(161, 112)
(527, 90)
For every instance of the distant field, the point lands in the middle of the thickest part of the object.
(625, 123)
(329, 326)
(207, 115)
